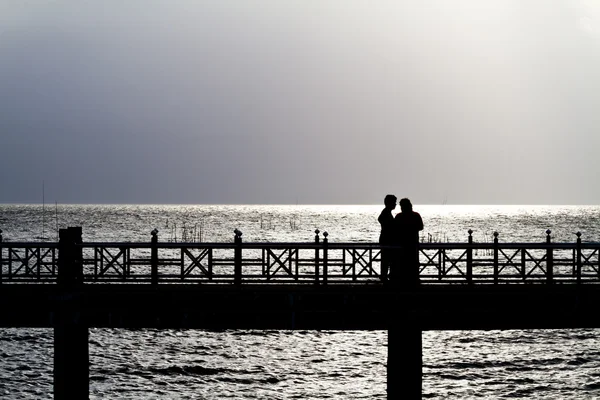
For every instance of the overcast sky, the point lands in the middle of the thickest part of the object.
(308, 101)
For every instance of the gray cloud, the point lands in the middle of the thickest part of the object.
(315, 102)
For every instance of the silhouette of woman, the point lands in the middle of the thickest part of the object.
(408, 224)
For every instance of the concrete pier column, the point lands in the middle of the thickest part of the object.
(405, 360)
(71, 351)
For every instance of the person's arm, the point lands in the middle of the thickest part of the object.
(381, 218)
(420, 222)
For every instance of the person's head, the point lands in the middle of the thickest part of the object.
(405, 205)
(390, 201)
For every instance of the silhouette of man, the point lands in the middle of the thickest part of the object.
(387, 235)
(408, 224)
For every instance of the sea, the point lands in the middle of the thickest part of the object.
(256, 364)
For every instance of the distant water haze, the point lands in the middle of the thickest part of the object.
(309, 102)
(296, 223)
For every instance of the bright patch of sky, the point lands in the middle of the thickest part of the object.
(331, 102)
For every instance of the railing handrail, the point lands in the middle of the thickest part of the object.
(320, 261)
(313, 245)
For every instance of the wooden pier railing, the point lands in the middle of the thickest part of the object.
(313, 285)
(317, 262)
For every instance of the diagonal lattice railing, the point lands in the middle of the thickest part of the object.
(315, 262)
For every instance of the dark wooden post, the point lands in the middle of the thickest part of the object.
(317, 256)
(325, 256)
(549, 258)
(71, 352)
(237, 262)
(496, 266)
(65, 257)
(405, 360)
(470, 257)
(76, 232)
(70, 266)
(579, 265)
(523, 264)
(154, 257)
(1, 260)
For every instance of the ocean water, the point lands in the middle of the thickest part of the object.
(198, 364)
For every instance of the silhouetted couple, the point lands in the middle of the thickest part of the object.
(400, 264)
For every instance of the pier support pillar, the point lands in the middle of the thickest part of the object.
(405, 361)
(71, 351)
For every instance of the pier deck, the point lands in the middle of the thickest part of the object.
(349, 307)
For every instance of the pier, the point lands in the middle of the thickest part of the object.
(318, 285)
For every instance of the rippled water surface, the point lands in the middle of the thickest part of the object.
(193, 364)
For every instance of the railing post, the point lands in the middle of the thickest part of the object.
(470, 257)
(70, 265)
(579, 266)
(154, 257)
(65, 258)
(325, 256)
(237, 262)
(523, 264)
(317, 256)
(76, 233)
(1, 260)
(496, 266)
(549, 258)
